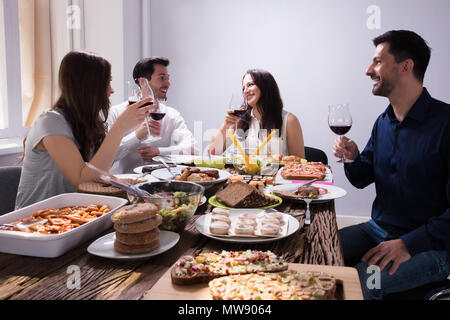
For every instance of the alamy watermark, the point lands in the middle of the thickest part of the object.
(374, 280)
(374, 19)
(73, 21)
(74, 279)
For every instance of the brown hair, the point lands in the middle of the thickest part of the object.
(144, 68)
(405, 44)
(84, 79)
(270, 104)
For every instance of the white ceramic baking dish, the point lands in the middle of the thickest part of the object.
(51, 246)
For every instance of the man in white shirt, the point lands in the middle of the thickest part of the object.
(135, 148)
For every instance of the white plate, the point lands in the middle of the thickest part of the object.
(54, 245)
(280, 180)
(202, 201)
(104, 247)
(176, 158)
(138, 170)
(186, 159)
(333, 192)
(163, 174)
(293, 226)
(149, 177)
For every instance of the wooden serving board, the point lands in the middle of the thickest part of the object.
(348, 285)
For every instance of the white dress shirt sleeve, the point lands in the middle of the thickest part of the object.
(182, 140)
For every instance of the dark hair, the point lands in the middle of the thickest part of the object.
(404, 44)
(145, 67)
(84, 79)
(269, 105)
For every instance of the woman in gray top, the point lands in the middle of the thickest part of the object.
(74, 131)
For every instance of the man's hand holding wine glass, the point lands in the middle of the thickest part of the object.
(345, 147)
(147, 153)
(340, 122)
(155, 129)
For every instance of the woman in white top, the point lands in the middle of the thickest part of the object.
(74, 131)
(264, 114)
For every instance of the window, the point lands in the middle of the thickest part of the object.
(3, 92)
(11, 100)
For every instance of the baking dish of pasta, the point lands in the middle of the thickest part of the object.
(69, 220)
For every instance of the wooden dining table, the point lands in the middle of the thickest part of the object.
(31, 278)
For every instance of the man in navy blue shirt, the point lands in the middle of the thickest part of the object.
(408, 159)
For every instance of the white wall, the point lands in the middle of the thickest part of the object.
(116, 29)
(317, 51)
(104, 35)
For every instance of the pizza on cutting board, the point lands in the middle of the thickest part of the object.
(204, 267)
(285, 285)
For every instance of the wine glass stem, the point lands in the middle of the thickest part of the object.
(343, 156)
(148, 127)
(307, 213)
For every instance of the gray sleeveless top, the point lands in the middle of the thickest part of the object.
(41, 177)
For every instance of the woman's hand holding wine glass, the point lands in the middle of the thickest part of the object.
(238, 104)
(135, 94)
(236, 108)
(134, 115)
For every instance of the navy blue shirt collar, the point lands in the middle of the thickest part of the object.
(418, 111)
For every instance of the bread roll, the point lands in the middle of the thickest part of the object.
(134, 213)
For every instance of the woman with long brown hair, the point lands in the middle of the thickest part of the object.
(264, 113)
(74, 131)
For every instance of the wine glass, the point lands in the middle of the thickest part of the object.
(157, 113)
(340, 122)
(238, 104)
(135, 93)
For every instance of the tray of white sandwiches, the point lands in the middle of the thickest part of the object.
(246, 225)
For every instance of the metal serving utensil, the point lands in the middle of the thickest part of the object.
(109, 178)
(20, 225)
(167, 167)
(308, 183)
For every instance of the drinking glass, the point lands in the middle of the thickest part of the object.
(340, 122)
(238, 103)
(156, 113)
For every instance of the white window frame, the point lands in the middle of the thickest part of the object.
(15, 128)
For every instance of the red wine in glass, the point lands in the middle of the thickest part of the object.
(340, 122)
(340, 130)
(144, 105)
(238, 104)
(239, 112)
(157, 115)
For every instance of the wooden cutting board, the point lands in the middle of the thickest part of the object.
(348, 285)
